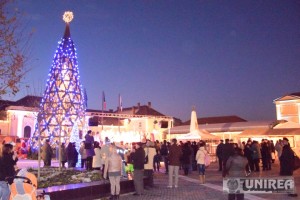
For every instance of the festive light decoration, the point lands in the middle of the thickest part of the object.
(68, 16)
(63, 102)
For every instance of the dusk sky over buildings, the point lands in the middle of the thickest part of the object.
(223, 57)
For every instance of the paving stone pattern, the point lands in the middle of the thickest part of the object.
(190, 189)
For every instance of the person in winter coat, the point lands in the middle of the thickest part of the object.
(138, 159)
(164, 151)
(148, 167)
(287, 160)
(200, 157)
(278, 148)
(82, 152)
(228, 149)
(89, 142)
(185, 158)
(71, 155)
(175, 154)
(97, 164)
(46, 153)
(219, 153)
(235, 167)
(8, 160)
(105, 153)
(266, 155)
(63, 155)
(113, 167)
(156, 160)
(256, 154)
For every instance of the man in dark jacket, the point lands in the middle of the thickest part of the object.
(89, 142)
(220, 154)
(8, 160)
(164, 153)
(46, 153)
(138, 159)
(287, 161)
(174, 163)
(228, 150)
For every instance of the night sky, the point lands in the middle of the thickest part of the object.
(223, 57)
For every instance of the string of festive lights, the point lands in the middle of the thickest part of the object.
(62, 105)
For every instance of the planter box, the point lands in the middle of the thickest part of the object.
(88, 191)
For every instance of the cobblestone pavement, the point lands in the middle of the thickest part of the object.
(189, 187)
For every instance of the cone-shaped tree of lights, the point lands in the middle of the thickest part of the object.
(63, 102)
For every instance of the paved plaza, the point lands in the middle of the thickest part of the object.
(189, 187)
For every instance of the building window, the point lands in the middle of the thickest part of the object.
(290, 109)
(27, 132)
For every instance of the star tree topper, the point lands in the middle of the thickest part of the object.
(68, 16)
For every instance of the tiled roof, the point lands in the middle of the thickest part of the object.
(29, 101)
(140, 110)
(295, 94)
(107, 121)
(146, 110)
(223, 127)
(5, 103)
(217, 120)
(270, 132)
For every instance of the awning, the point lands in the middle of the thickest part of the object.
(197, 135)
(270, 132)
(178, 130)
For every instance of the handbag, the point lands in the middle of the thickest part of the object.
(207, 160)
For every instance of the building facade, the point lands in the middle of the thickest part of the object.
(288, 107)
(18, 119)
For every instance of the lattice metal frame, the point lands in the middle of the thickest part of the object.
(63, 103)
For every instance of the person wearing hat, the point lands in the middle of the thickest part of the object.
(150, 152)
(138, 158)
(287, 161)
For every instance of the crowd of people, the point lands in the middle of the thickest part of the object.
(140, 160)
(252, 157)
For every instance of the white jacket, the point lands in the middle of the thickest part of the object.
(97, 160)
(151, 153)
(200, 156)
(113, 164)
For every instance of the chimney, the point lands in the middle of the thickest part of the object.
(138, 105)
(149, 104)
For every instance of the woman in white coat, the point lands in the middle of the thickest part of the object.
(97, 163)
(200, 158)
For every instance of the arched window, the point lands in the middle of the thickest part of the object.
(27, 132)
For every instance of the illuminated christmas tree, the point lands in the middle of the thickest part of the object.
(63, 103)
